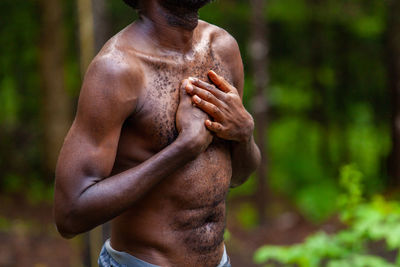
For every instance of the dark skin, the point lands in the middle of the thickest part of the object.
(153, 150)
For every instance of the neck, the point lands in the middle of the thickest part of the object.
(168, 26)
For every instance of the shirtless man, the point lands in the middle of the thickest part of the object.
(153, 150)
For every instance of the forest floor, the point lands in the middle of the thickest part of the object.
(28, 236)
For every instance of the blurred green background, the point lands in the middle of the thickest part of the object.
(330, 127)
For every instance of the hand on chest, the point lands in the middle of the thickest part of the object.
(159, 99)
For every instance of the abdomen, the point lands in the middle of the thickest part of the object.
(185, 213)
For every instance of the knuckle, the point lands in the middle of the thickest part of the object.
(210, 87)
(197, 100)
(195, 90)
(231, 98)
(202, 84)
(228, 98)
(184, 83)
(215, 110)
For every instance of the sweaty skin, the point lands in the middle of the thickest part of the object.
(154, 151)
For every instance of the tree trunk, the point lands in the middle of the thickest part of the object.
(393, 42)
(319, 111)
(56, 103)
(86, 45)
(101, 24)
(259, 56)
(86, 33)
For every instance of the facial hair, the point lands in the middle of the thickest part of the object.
(183, 13)
(186, 4)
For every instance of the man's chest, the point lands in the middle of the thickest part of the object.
(157, 104)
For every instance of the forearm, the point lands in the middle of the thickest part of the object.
(245, 159)
(103, 200)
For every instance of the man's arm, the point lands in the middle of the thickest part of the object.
(223, 102)
(85, 194)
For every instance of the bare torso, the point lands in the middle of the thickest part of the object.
(141, 155)
(183, 216)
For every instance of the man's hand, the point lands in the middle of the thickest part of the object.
(190, 121)
(222, 102)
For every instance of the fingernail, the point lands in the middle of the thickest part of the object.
(208, 123)
(196, 99)
(191, 79)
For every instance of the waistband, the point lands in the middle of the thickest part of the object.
(128, 259)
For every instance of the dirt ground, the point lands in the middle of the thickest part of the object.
(28, 237)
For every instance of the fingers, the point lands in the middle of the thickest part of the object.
(214, 126)
(203, 94)
(220, 82)
(185, 84)
(208, 108)
(182, 92)
(209, 87)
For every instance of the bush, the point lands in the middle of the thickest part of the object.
(376, 220)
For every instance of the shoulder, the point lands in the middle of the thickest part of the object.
(226, 48)
(221, 41)
(114, 71)
(112, 83)
(116, 63)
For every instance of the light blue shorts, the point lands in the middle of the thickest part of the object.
(110, 257)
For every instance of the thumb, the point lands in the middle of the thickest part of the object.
(182, 91)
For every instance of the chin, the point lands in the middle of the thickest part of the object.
(187, 4)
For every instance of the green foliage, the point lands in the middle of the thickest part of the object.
(299, 171)
(246, 189)
(5, 224)
(315, 201)
(368, 222)
(308, 254)
(361, 261)
(297, 13)
(327, 99)
(227, 235)
(9, 102)
(350, 180)
(327, 94)
(12, 183)
(247, 215)
(20, 91)
(39, 191)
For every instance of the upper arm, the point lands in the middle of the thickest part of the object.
(228, 50)
(107, 98)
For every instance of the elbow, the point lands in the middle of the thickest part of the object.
(257, 159)
(251, 166)
(65, 232)
(254, 162)
(67, 223)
